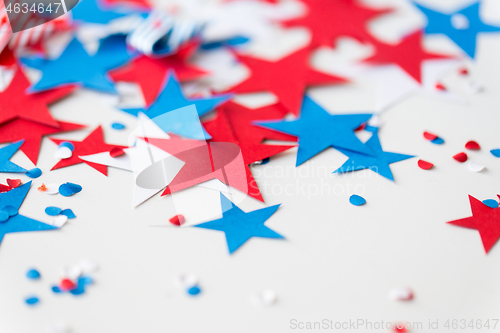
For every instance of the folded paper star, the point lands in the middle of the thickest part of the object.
(16, 103)
(239, 226)
(171, 98)
(5, 155)
(95, 11)
(408, 54)
(76, 66)
(461, 26)
(92, 144)
(149, 73)
(287, 78)
(318, 130)
(484, 219)
(11, 202)
(32, 134)
(330, 19)
(378, 163)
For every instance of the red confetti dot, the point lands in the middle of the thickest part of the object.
(430, 136)
(439, 86)
(13, 183)
(67, 285)
(460, 157)
(400, 328)
(464, 71)
(472, 145)
(115, 152)
(178, 220)
(424, 165)
(4, 188)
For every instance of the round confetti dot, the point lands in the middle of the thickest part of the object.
(266, 298)
(32, 300)
(68, 189)
(193, 291)
(118, 126)
(177, 220)
(117, 151)
(491, 203)
(13, 182)
(495, 152)
(424, 165)
(11, 210)
(4, 216)
(67, 284)
(59, 221)
(472, 145)
(475, 167)
(186, 281)
(63, 153)
(33, 274)
(356, 200)
(53, 211)
(34, 173)
(67, 144)
(460, 157)
(437, 141)
(401, 294)
(429, 136)
(56, 289)
(68, 213)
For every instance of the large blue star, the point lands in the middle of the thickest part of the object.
(5, 155)
(171, 98)
(240, 226)
(76, 66)
(10, 202)
(92, 11)
(317, 130)
(378, 163)
(461, 26)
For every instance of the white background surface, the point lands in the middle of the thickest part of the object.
(338, 261)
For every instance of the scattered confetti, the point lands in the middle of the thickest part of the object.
(63, 153)
(194, 291)
(475, 167)
(460, 157)
(68, 189)
(68, 213)
(424, 165)
(67, 144)
(50, 189)
(441, 87)
(177, 220)
(267, 297)
(88, 266)
(491, 203)
(401, 294)
(357, 200)
(4, 188)
(429, 136)
(495, 152)
(464, 71)
(53, 211)
(59, 221)
(117, 151)
(42, 188)
(67, 285)
(118, 126)
(472, 145)
(32, 300)
(437, 141)
(13, 183)
(186, 281)
(34, 173)
(33, 274)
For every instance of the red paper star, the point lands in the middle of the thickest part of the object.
(287, 78)
(330, 19)
(140, 3)
(484, 219)
(149, 73)
(242, 118)
(408, 55)
(7, 58)
(16, 103)
(92, 144)
(32, 134)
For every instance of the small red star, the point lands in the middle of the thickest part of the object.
(92, 144)
(408, 55)
(32, 134)
(287, 78)
(484, 219)
(330, 19)
(149, 73)
(16, 103)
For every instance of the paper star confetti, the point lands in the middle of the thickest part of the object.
(5, 155)
(293, 69)
(32, 134)
(408, 55)
(239, 226)
(92, 144)
(484, 219)
(93, 11)
(462, 26)
(15, 102)
(317, 130)
(149, 73)
(330, 19)
(378, 163)
(10, 202)
(76, 66)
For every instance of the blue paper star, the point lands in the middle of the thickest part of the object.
(171, 98)
(91, 11)
(11, 202)
(76, 66)
(464, 32)
(317, 130)
(378, 163)
(5, 155)
(240, 226)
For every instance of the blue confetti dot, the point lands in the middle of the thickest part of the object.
(437, 141)
(67, 144)
(4, 216)
(11, 210)
(78, 290)
(53, 211)
(34, 173)
(32, 300)
(85, 280)
(68, 189)
(68, 213)
(118, 126)
(491, 203)
(265, 161)
(33, 274)
(193, 291)
(356, 200)
(495, 152)
(56, 289)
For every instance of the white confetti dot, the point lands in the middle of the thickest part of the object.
(88, 266)
(63, 153)
(52, 189)
(71, 272)
(475, 167)
(186, 281)
(59, 221)
(265, 298)
(401, 294)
